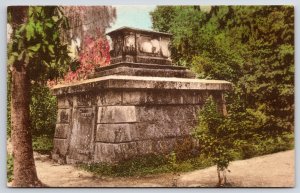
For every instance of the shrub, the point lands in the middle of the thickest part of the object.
(43, 109)
(220, 137)
(42, 144)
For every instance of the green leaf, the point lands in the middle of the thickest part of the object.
(11, 60)
(29, 31)
(20, 45)
(14, 54)
(50, 25)
(26, 60)
(20, 57)
(35, 48)
(44, 48)
(55, 18)
(39, 28)
(21, 29)
(51, 49)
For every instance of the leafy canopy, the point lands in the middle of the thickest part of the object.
(251, 46)
(36, 43)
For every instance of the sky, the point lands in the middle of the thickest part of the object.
(133, 16)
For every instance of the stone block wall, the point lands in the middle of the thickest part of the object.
(116, 124)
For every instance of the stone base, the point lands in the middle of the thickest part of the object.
(139, 69)
(112, 118)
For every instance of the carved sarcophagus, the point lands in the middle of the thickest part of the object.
(140, 46)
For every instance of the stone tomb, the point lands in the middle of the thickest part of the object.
(139, 104)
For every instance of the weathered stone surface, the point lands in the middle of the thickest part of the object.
(138, 71)
(137, 45)
(82, 135)
(164, 129)
(124, 132)
(64, 102)
(62, 131)
(145, 147)
(163, 97)
(83, 100)
(161, 146)
(165, 146)
(60, 146)
(109, 97)
(140, 82)
(116, 114)
(108, 152)
(131, 122)
(169, 113)
(64, 115)
(139, 65)
(115, 133)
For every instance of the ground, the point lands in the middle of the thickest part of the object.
(274, 170)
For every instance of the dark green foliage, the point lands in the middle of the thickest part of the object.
(37, 43)
(225, 138)
(42, 117)
(251, 46)
(43, 109)
(237, 135)
(217, 138)
(9, 167)
(42, 144)
(147, 165)
(135, 166)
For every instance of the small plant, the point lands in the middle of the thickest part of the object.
(9, 167)
(172, 161)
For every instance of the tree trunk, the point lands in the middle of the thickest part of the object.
(24, 168)
(222, 180)
(219, 177)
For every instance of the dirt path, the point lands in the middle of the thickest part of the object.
(275, 170)
(55, 175)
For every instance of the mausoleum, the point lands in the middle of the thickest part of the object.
(139, 104)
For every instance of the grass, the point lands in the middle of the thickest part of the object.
(147, 165)
(158, 164)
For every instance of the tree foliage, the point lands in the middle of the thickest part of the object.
(88, 21)
(51, 29)
(222, 138)
(37, 43)
(251, 46)
(43, 110)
